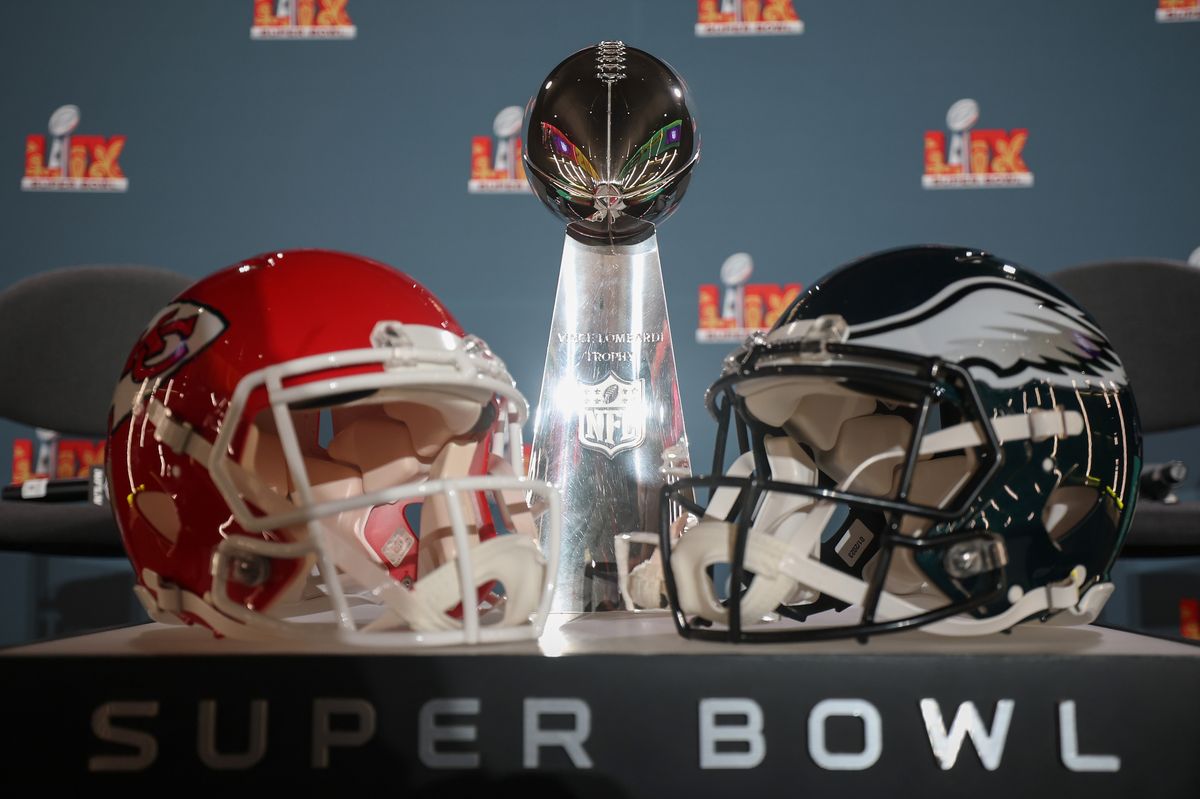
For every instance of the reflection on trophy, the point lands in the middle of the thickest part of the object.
(734, 273)
(961, 117)
(609, 147)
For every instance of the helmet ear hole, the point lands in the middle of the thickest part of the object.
(1066, 507)
(158, 509)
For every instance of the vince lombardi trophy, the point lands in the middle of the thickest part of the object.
(609, 148)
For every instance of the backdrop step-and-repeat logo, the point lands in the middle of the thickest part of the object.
(747, 18)
(496, 166)
(54, 457)
(302, 19)
(974, 159)
(72, 162)
(1178, 11)
(734, 310)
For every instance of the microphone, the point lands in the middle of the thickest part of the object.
(1159, 480)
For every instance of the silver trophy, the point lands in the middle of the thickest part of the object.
(610, 144)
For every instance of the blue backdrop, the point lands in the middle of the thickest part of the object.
(812, 150)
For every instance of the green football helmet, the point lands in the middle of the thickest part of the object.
(932, 435)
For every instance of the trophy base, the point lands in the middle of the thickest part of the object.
(609, 412)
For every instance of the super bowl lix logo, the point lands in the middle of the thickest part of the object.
(612, 416)
(1178, 11)
(302, 19)
(499, 170)
(70, 162)
(747, 18)
(975, 158)
(735, 309)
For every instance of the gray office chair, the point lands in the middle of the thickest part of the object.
(64, 337)
(1150, 310)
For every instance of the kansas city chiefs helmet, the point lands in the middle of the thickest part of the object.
(307, 444)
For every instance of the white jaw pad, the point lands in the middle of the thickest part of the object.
(711, 542)
(512, 560)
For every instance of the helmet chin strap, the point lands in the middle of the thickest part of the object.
(512, 560)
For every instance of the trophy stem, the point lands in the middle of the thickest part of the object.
(608, 411)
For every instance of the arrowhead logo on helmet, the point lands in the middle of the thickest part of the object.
(178, 333)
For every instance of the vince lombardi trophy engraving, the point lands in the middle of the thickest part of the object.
(609, 148)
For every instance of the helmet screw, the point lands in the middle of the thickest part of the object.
(251, 570)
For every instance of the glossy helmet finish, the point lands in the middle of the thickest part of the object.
(932, 434)
(610, 143)
(313, 431)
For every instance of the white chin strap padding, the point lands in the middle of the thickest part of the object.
(513, 560)
(711, 542)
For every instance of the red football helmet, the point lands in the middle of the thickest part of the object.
(312, 431)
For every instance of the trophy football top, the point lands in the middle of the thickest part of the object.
(610, 143)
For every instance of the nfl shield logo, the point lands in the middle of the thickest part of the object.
(613, 418)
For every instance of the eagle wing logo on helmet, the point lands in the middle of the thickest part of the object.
(1023, 333)
(174, 336)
